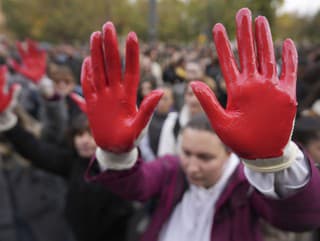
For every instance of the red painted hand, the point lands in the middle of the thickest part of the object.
(33, 61)
(261, 107)
(6, 98)
(115, 121)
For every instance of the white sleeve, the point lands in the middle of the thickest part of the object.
(120, 161)
(283, 183)
(113, 161)
(145, 149)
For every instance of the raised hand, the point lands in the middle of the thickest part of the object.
(110, 96)
(259, 117)
(33, 61)
(80, 101)
(6, 97)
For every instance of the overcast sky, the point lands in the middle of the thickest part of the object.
(302, 7)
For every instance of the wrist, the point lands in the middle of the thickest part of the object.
(114, 161)
(275, 164)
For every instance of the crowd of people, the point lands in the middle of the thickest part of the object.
(75, 170)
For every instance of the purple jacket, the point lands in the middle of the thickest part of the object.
(237, 210)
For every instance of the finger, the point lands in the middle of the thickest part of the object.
(80, 101)
(32, 44)
(247, 55)
(44, 55)
(226, 58)
(288, 78)
(112, 56)
(3, 72)
(5, 98)
(209, 103)
(43, 58)
(97, 61)
(32, 47)
(132, 71)
(12, 95)
(146, 110)
(88, 87)
(267, 61)
(14, 64)
(43, 62)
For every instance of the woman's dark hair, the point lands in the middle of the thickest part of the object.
(79, 125)
(150, 79)
(199, 122)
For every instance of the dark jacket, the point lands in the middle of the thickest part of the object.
(93, 213)
(31, 202)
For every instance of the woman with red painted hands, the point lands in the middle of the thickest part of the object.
(207, 192)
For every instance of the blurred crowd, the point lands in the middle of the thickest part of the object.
(44, 196)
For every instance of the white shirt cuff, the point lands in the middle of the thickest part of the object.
(283, 183)
(112, 161)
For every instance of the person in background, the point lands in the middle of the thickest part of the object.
(160, 140)
(307, 133)
(63, 83)
(33, 199)
(145, 87)
(91, 212)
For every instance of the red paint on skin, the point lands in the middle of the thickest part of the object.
(110, 97)
(261, 107)
(33, 61)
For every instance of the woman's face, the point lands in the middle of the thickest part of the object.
(192, 102)
(166, 101)
(203, 157)
(64, 86)
(85, 144)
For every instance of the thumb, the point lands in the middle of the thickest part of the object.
(80, 101)
(147, 107)
(14, 64)
(209, 103)
(10, 100)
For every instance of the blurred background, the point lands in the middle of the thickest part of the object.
(176, 47)
(180, 21)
